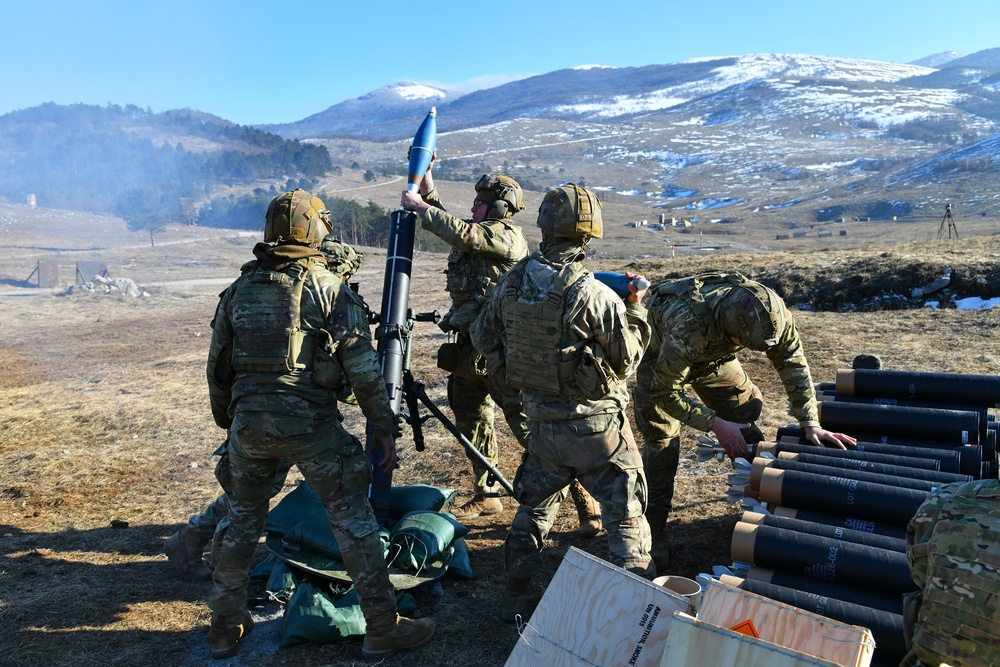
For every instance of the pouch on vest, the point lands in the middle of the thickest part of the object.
(326, 369)
(461, 359)
(592, 376)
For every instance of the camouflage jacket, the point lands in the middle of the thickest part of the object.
(480, 253)
(953, 545)
(592, 314)
(686, 345)
(295, 393)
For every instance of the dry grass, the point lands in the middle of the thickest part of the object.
(107, 441)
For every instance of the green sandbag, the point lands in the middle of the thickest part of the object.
(301, 506)
(404, 499)
(316, 616)
(422, 537)
(281, 584)
(299, 533)
(460, 564)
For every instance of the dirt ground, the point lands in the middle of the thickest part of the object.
(107, 444)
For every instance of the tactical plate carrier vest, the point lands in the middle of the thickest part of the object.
(541, 358)
(699, 291)
(267, 332)
(473, 277)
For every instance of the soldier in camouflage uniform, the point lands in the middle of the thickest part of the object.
(698, 325)
(568, 343)
(286, 338)
(483, 249)
(184, 548)
(953, 545)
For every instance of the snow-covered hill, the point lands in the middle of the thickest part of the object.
(757, 132)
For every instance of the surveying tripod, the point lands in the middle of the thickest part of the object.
(951, 223)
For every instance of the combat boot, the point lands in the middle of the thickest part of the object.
(480, 505)
(391, 632)
(588, 510)
(184, 550)
(520, 598)
(226, 631)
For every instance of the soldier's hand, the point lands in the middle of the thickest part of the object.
(823, 438)
(729, 436)
(427, 184)
(636, 293)
(387, 445)
(412, 201)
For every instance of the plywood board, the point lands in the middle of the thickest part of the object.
(727, 607)
(693, 642)
(594, 613)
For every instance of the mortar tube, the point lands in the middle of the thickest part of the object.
(880, 468)
(867, 598)
(908, 461)
(886, 628)
(922, 386)
(823, 530)
(951, 426)
(864, 525)
(835, 471)
(840, 495)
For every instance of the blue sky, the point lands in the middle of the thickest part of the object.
(267, 62)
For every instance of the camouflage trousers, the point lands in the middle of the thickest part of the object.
(726, 388)
(953, 546)
(335, 465)
(599, 451)
(215, 518)
(470, 400)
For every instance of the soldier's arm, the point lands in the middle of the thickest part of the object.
(619, 331)
(789, 360)
(681, 341)
(219, 369)
(487, 329)
(495, 240)
(433, 198)
(348, 324)
(360, 364)
(669, 379)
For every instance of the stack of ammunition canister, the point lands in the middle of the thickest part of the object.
(825, 528)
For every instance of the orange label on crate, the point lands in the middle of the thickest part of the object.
(746, 628)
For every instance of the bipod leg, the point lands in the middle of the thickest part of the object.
(416, 389)
(413, 408)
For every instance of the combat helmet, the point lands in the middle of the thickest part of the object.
(296, 217)
(502, 193)
(754, 315)
(570, 213)
(341, 259)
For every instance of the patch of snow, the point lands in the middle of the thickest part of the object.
(976, 303)
(705, 204)
(417, 91)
